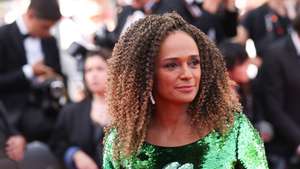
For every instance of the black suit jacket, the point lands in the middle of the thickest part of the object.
(75, 128)
(281, 87)
(14, 86)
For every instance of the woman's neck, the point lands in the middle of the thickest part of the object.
(98, 98)
(170, 115)
(170, 126)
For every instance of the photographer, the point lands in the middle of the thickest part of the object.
(29, 63)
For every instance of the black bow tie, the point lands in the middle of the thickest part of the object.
(24, 36)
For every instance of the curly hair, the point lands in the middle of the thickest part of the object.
(130, 82)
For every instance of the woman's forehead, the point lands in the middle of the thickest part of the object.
(178, 44)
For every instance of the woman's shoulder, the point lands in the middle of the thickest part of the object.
(109, 138)
(240, 118)
(76, 106)
(108, 160)
(72, 113)
(245, 130)
(111, 134)
(250, 148)
(241, 122)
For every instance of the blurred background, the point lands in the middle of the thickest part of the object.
(249, 33)
(81, 20)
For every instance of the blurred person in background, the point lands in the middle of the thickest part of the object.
(29, 57)
(280, 81)
(139, 9)
(265, 24)
(217, 18)
(4, 130)
(237, 64)
(10, 146)
(77, 139)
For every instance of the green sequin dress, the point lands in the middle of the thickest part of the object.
(241, 147)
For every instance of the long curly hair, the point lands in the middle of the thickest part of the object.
(131, 76)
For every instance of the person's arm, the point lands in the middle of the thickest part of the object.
(10, 80)
(83, 161)
(52, 55)
(19, 79)
(7, 127)
(13, 81)
(69, 155)
(244, 28)
(15, 142)
(250, 149)
(15, 147)
(274, 92)
(75, 158)
(60, 138)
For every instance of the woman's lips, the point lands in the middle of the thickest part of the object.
(186, 89)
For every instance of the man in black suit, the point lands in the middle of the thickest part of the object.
(281, 88)
(28, 56)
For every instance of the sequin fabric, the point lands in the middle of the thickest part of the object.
(240, 147)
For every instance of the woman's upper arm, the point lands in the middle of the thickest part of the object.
(250, 148)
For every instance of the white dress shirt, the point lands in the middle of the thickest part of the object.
(33, 49)
(296, 41)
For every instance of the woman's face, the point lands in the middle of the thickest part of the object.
(177, 71)
(95, 74)
(239, 73)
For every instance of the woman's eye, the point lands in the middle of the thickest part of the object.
(170, 65)
(195, 62)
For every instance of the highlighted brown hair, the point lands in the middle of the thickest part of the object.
(130, 82)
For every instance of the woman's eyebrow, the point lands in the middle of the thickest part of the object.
(176, 58)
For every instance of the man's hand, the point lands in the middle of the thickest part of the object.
(211, 6)
(83, 161)
(42, 71)
(230, 5)
(298, 150)
(40, 68)
(15, 147)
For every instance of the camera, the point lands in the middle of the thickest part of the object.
(49, 94)
(78, 51)
(105, 38)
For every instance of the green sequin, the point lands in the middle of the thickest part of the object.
(241, 145)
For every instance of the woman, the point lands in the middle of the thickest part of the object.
(171, 103)
(237, 63)
(79, 130)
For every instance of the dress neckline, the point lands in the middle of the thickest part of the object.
(180, 146)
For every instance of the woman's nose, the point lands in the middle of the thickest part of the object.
(186, 72)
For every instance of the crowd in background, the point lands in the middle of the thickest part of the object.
(35, 103)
